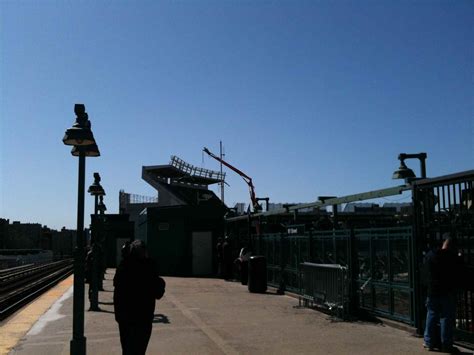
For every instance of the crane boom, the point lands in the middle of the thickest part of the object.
(247, 179)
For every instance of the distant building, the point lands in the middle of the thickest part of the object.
(360, 207)
(34, 236)
(63, 242)
(24, 236)
(3, 232)
(46, 238)
(403, 207)
(275, 206)
(240, 208)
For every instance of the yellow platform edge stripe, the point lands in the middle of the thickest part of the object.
(16, 326)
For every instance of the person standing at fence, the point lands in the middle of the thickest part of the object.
(137, 285)
(220, 258)
(227, 257)
(125, 251)
(442, 270)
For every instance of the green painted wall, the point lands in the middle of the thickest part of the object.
(168, 232)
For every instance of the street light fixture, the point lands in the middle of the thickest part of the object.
(96, 190)
(81, 137)
(80, 133)
(403, 172)
(90, 150)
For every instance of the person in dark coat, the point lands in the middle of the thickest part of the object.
(137, 286)
(228, 259)
(220, 258)
(442, 270)
(88, 266)
(125, 251)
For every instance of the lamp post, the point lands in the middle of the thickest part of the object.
(80, 136)
(403, 172)
(101, 206)
(103, 250)
(95, 190)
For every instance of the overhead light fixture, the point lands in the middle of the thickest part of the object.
(404, 172)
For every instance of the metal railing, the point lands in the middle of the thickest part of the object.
(444, 207)
(377, 261)
(325, 285)
(137, 199)
(192, 170)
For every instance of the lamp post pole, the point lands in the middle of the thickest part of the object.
(103, 256)
(96, 203)
(94, 267)
(78, 342)
(81, 138)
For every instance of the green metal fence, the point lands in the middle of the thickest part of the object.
(269, 246)
(379, 260)
(383, 271)
(444, 207)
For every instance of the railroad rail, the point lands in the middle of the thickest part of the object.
(14, 269)
(19, 285)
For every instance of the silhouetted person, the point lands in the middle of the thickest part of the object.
(125, 251)
(102, 266)
(442, 269)
(220, 258)
(324, 223)
(137, 285)
(88, 266)
(228, 260)
(92, 276)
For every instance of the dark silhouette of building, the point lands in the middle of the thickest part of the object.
(182, 229)
(24, 236)
(133, 205)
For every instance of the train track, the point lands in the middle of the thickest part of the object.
(20, 285)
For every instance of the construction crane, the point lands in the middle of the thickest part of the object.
(256, 206)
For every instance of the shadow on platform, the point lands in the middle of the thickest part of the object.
(161, 318)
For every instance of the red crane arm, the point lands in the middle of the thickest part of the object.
(246, 178)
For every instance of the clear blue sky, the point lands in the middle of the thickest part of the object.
(309, 97)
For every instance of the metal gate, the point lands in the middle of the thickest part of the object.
(445, 207)
(378, 262)
(285, 252)
(383, 272)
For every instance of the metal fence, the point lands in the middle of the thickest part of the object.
(325, 285)
(384, 253)
(383, 271)
(192, 170)
(128, 198)
(377, 262)
(445, 207)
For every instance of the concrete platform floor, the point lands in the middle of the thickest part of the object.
(206, 316)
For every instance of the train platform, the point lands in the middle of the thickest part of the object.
(202, 316)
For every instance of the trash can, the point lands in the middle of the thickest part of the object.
(257, 281)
